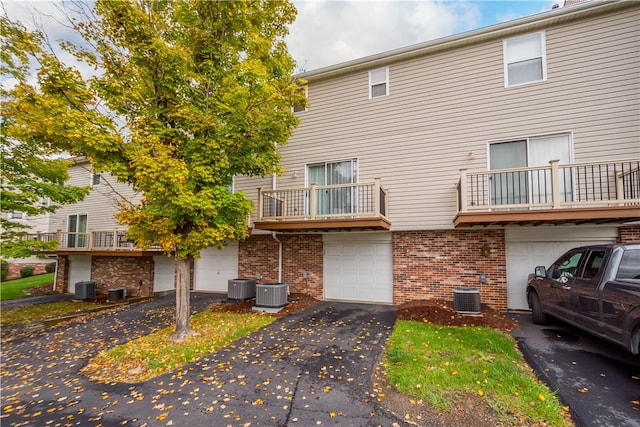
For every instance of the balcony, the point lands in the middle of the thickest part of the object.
(324, 208)
(578, 193)
(97, 242)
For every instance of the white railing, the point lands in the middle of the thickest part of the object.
(93, 240)
(595, 184)
(317, 202)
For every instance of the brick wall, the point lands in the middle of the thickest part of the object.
(629, 234)
(431, 264)
(123, 272)
(14, 269)
(62, 274)
(300, 254)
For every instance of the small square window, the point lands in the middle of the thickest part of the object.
(379, 82)
(96, 178)
(298, 105)
(524, 59)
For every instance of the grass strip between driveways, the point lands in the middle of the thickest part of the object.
(154, 354)
(440, 364)
(36, 313)
(13, 289)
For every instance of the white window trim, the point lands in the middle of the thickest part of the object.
(543, 41)
(528, 138)
(386, 82)
(306, 95)
(355, 161)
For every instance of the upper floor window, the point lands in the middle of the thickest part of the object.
(17, 215)
(525, 59)
(379, 82)
(299, 106)
(96, 178)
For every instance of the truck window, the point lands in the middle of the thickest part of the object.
(593, 264)
(567, 266)
(629, 265)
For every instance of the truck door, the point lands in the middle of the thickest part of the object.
(562, 275)
(585, 292)
(621, 298)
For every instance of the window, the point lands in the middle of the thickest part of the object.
(379, 82)
(96, 178)
(77, 231)
(230, 185)
(298, 105)
(524, 59)
(629, 265)
(522, 187)
(593, 264)
(566, 266)
(17, 215)
(334, 200)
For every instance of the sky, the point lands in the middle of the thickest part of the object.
(328, 32)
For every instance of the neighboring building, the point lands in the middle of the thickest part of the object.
(463, 161)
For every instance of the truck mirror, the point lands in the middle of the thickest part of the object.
(541, 271)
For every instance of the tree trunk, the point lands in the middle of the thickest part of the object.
(183, 329)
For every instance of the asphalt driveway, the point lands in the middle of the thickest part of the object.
(600, 382)
(313, 367)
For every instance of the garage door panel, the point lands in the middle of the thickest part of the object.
(358, 270)
(163, 274)
(215, 268)
(524, 256)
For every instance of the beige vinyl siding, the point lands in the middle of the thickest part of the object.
(100, 205)
(445, 105)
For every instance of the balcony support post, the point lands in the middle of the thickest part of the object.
(462, 188)
(90, 239)
(314, 201)
(376, 197)
(619, 189)
(116, 240)
(259, 203)
(555, 184)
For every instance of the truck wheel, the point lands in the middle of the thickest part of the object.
(537, 314)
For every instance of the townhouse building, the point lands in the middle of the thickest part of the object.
(459, 162)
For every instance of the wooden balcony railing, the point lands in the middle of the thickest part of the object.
(324, 202)
(597, 185)
(93, 240)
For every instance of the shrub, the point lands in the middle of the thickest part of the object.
(27, 271)
(4, 269)
(50, 268)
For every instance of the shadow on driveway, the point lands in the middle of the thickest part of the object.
(310, 367)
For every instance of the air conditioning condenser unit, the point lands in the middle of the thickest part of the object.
(271, 295)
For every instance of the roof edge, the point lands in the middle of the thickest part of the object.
(527, 23)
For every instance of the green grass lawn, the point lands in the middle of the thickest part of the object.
(16, 288)
(38, 312)
(439, 364)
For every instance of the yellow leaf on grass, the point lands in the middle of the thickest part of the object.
(542, 398)
(480, 392)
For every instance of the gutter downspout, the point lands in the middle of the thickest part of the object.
(275, 237)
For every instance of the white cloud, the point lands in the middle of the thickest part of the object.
(330, 32)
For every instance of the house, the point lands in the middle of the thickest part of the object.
(460, 162)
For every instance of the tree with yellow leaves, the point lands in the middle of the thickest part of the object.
(187, 94)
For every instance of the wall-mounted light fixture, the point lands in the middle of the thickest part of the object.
(486, 250)
(295, 174)
(472, 155)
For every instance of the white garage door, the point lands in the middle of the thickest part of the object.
(163, 274)
(215, 267)
(79, 270)
(529, 247)
(358, 267)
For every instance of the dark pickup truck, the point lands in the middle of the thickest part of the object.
(595, 288)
